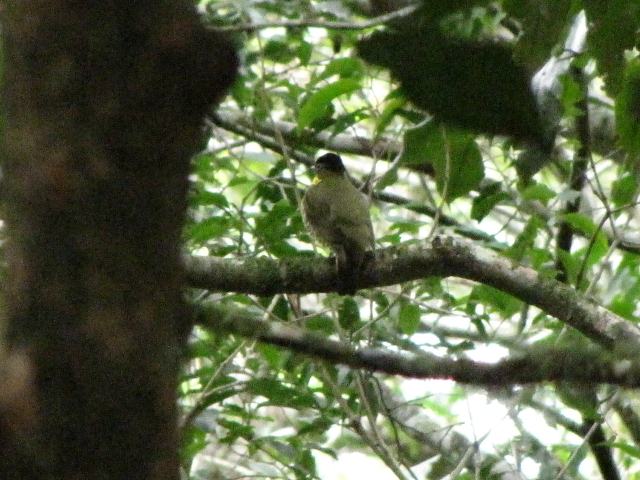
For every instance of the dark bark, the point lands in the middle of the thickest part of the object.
(578, 179)
(103, 107)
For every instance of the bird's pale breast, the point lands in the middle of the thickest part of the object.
(337, 213)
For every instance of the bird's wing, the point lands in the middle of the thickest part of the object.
(352, 221)
(338, 216)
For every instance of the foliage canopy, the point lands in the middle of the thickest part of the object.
(514, 125)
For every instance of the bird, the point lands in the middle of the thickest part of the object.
(336, 213)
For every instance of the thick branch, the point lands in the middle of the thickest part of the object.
(537, 365)
(448, 257)
(342, 142)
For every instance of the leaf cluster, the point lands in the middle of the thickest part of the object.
(464, 118)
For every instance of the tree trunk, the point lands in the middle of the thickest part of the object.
(103, 103)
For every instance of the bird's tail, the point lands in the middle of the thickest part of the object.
(349, 265)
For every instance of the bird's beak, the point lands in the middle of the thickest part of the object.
(316, 172)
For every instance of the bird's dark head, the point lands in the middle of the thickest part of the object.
(329, 163)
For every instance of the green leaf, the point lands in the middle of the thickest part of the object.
(580, 222)
(525, 240)
(627, 448)
(372, 394)
(315, 427)
(530, 161)
(304, 51)
(471, 85)
(204, 197)
(282, 249)
(346, 120)
(506, 304)
(430, 143)
(572, 94)
(239, 180)
(540, 192)
(208, 229)
(235, 430)
(240, 91)
(389, 178)
(392, 239)
(194, 440)
(542, 25)
(343, 67)
(612, 30)
(381, 301)
(624, 189)
(628, 110)
(269, 191)
(409, 318)
(279, 50)
(571, 263)
(320, 323)
(349, 314)
(406, 226)
(389, 111)
(279, 310)
(598, 250)
(273, 355)
(274, 226)
(579, 397)
(584, 224)
(307, 461)
(277, 393)
(218, 395)
(315, 106)
(418, 143)
(490, 195)
(623, 289)
(465, 170)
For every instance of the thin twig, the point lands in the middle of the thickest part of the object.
(608, 406)
(374, 22)
(578, 175)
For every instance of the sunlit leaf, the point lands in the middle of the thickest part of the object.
(627, 448)
(315, 106)
(538, 191)
(386, 116)
(624, 189)
(343, 67)
(409, 318)
(628, 110)
(455, 157)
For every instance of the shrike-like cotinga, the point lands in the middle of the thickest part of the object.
(337, 214)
